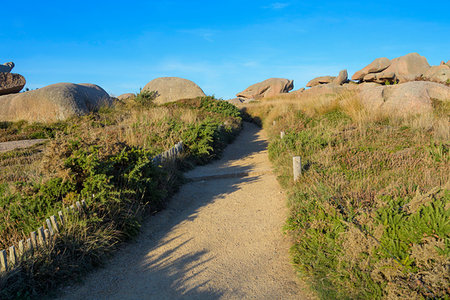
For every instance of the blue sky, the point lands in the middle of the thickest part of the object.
(223, 46)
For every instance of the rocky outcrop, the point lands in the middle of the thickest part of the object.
(11, 83)
(403, 99)
(171, 89)
(267, 88)
(320, 80)
(342, 78)
(6, 67)
(401, 69)
(126, 96)
(378, 65)
(54, 102)
(439, 74)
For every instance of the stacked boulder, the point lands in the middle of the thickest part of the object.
(410, 67)
(170, 89)
(10, 82)
(267, 88)
(339, 80)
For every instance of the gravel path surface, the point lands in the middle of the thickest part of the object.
(219, 238)
(8, 146)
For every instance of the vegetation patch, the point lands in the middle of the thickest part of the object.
(369, 216)
(104, 158)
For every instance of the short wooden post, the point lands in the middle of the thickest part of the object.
(34, 241)
(297, 167)
(78, 204)
(3, 261)
(274, 123)
(21, 247)
(49, 226)
(47, 235)
(61, 217)
(12, 255)
(282, 134)
(41, 235)
(29, 246)
(54, 223)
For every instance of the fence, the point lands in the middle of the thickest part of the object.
(41, 237)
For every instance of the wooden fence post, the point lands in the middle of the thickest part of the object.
(61, 217)
(49, 226)
(282, 134)
(297, 167)
(54, 223)
(3, 261)
(41, 235)
(34, 241)
(12, 255)
(21, 247)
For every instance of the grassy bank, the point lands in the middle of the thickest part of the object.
(105, 159)
(370, 215)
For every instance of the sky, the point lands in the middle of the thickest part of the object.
(223, 46)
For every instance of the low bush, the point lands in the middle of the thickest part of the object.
(105, 159)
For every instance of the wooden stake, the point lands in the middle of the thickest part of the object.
(12, 255)
(282, 134)
(61, 217)
(34, 241)
(297, 167)
(29, 247)
(49, 226)
(21, 247)
(41, 235)
(54, 223)
(47, 235)
(3, 261)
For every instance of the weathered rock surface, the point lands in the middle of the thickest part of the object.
(126, 96)
(171, 89)
(320, 80)
(267, 88)
(11, 83)
(403, 99)
(54, 102)
(378, 65)
(342, 78)
(6, 67)
(237, 101)
(408, 67)
(439, 74)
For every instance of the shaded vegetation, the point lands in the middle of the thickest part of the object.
(104, 158)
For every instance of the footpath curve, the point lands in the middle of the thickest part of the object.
(219, 238)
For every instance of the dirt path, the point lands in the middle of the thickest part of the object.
(8, 146)
(220, 237)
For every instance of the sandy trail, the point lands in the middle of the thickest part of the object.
(219, 238)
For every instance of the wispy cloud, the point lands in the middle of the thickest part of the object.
(206, 34)
(277, 5)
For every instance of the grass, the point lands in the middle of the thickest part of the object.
(369, 217)
(104, 158)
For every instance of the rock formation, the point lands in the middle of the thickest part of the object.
(403, 99)
(171, 89)
(11, 83)
(439, 74)
(54, 102)
(401, 69)
(320, 80)
(267, 88)
(126, 96)
(6, 67)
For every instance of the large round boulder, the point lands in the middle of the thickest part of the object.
(408, 67)
(376, 66)
(53, 103)
(170, 89)
(267, 88)
(409, 98)
(11, 83)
